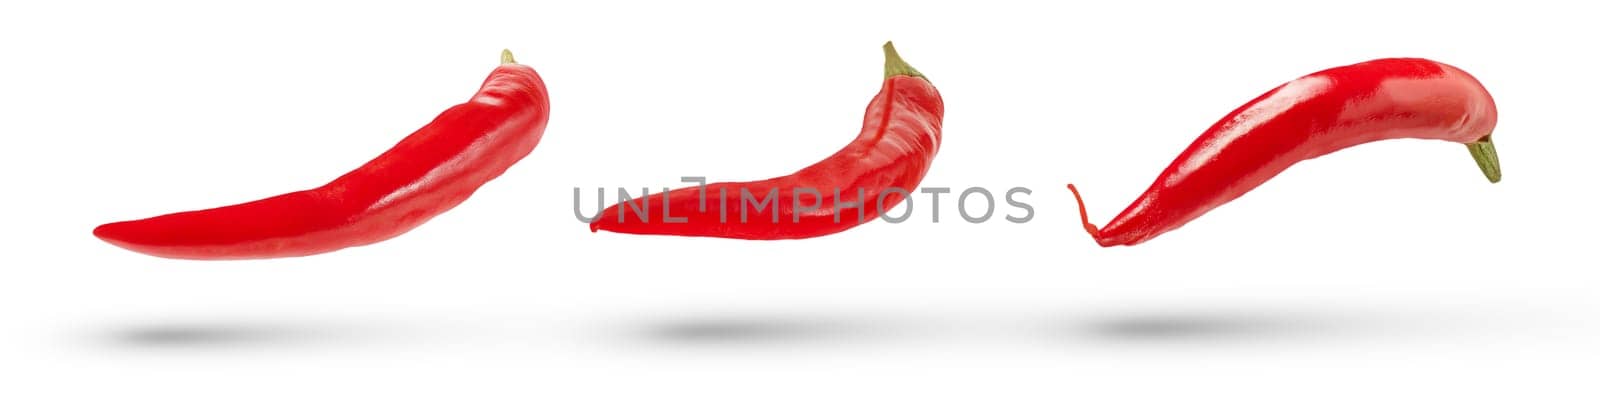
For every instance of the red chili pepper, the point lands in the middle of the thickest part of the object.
(427, 173)
(899, 138)
(1303, 119)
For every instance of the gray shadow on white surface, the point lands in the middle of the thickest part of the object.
(233, 335)
(1244, 326)
(1214, 326)
(768, 330)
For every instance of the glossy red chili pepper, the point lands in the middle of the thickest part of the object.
(899, 137)
(427, 173)
(1304, 119)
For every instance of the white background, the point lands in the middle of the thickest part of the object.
(1391, 270)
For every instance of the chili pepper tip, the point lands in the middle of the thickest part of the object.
(1488, 161)
(894, 66)
(505, 57)
(1083, 214)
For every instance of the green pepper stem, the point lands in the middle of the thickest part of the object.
(1488, 161)
(505, 57)
(894, 66)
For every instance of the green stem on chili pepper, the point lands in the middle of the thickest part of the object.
(505, 57)
(893, 65)
(1488, 161)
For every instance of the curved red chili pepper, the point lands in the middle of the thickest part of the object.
(1303, 119)
(899, 137)
(427, 173)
